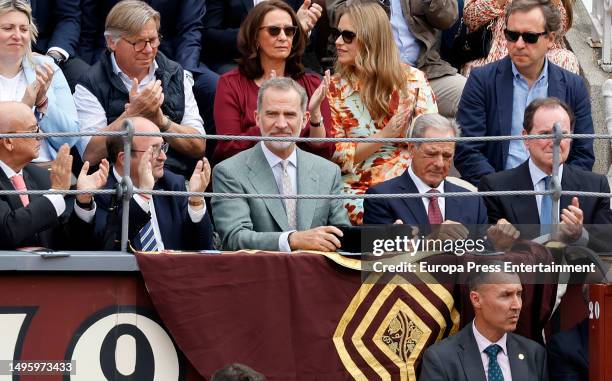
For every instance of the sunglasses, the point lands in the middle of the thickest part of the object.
(347, 35)
(528, 37)
(274, 30)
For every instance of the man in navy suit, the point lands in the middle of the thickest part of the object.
(222, 22)
(156, 222)
(496, 95)
(59, 26)
(426, 174)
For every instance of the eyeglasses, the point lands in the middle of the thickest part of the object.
(139, 46)
(347, 35)
(273, 30)
(528, 37)
(36, 131)
(156, 151)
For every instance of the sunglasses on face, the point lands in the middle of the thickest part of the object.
(274, 30)
(347, 35)
(528, 37)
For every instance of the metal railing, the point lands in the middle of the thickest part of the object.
(125, 189)
(601, 31)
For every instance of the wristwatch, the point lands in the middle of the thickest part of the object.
(58, 58)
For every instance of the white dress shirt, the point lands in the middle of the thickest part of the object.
(502, 357)
(424, 188)
(56, 199)
(93, 117)
(277, 169)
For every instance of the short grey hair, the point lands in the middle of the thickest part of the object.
(284, 84)
(129, 17)
(24, 7)
(434, 121)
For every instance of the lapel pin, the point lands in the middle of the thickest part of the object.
(521, 356)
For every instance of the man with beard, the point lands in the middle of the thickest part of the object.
(274, 167)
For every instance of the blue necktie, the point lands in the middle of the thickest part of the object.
(146, 238)
(494, 373)
(546, 209)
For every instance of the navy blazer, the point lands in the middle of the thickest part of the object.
(485, 109)
(177, 230)
(465, 210)
(221, 24)
(181, 29)
(568, 354)
(58, 23)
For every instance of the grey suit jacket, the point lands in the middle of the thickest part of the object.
(457, 358)
(257, 223)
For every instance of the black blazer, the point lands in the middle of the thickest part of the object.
(457, 358)
(568, 354)
(181, 28)
(221, 24)
(485, 109)
(524, 209)
(465, 210)
(59, 24)
(37, 224)
(177, 230)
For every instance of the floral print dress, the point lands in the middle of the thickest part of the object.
(351, 119)
(477, 13)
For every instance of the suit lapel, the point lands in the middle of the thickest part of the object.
(568, 184)
(13, 200)
(31, 184)
(556, 82)
(470, 356)
(414, 205)
(261, 177)
(505, 94)
(452, 208)
(525, 208)
(307, 183)
(518, 365)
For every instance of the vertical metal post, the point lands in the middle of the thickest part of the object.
(556, 183)
(126, 182)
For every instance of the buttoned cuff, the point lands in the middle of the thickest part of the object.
(283, 242)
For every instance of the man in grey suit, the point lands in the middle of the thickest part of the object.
(274, 167)
(487, 344)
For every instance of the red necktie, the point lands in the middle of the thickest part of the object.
(19, 184)
(433, 210)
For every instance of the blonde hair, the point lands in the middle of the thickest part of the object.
(377, 64)
(24, 7)
(129, 17)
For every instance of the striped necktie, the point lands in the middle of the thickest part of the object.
(146, 238)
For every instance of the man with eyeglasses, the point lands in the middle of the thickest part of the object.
(416, 25)
(156, 223)
(38, 220)
(495, 96)
(133, 79)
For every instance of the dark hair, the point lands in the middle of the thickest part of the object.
(249, 63)
(550, 102)
(551, 14)
(237, 372)
(114, 145)
(477, 278)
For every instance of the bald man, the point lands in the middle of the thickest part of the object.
(35, 220)
(156, 223)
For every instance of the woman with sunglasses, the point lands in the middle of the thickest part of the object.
(34, 79)
(479, 13)
(271, 43)
(372, 95)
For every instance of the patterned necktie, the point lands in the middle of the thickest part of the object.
(19, 185)
(433, 210)
(546, 209)
(146, 237)
(290, 203)
(494, 373)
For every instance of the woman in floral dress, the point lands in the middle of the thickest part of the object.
(372, 95)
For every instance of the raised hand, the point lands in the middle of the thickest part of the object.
(201, 176)
(572, 219)
(145, 171)
(36, 92)
(503, 235)
(61, 169)
(146, 102)
(397, 126)
(94, 181)
(314, 106)
(308, 15)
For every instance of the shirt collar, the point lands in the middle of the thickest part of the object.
(483, 342)
(273, 160)
(421, 186)
(117, 70)
(8, 171)
(537, 174)
(543, 74)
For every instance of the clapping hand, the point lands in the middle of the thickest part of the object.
(314, 106)
(147, 102)
(572, 219)
(398, 124)
(145, 171)
(308, 15)
(201, 176)
(503, 235)
(94, 181)
(36, 92)
(61, 169)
